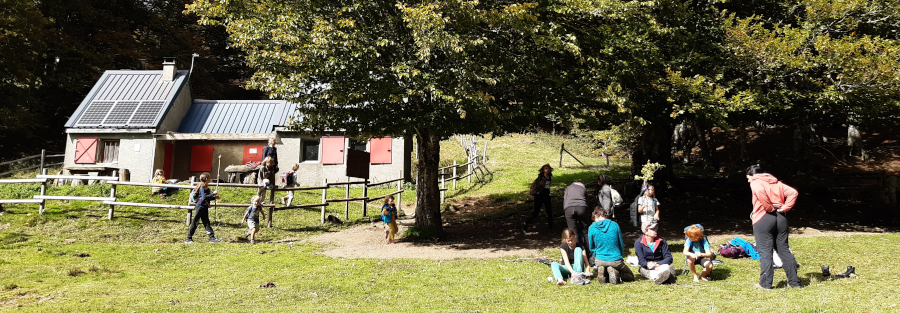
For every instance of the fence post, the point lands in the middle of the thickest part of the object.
(442, 188)
(399, 188)
(43, 154)
(454, 175)
(365, 196)
(190, 212)
(271, 209)
(324, 196)
(347, 204)
(43, 193)
(469, 171)
(112, 194)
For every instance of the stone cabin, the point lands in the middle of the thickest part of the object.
(147, 120)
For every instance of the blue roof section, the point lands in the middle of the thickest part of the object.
(142, 94)
(236, 116)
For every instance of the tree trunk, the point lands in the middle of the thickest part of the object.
(655, 147)
(705, 148)
(742, 137)
(428, 206)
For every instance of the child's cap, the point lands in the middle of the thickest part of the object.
(647, 226)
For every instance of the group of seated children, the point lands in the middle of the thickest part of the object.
(606, 252)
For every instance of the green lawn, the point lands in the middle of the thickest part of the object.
(137, 262)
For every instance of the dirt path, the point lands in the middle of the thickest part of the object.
(492, 238)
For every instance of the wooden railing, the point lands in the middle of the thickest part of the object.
(113, 181)
(43, 157)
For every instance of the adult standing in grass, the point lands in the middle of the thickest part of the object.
(271, 152)
(201, 211)
(654, 256)
(771, 200)
(604, 195)
(605, 241)
(575, 206)
(542, 196)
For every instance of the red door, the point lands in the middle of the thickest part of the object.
(253, 154)
(167, 160)
(201, 158)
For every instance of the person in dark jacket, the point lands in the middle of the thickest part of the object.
(271, 152)
(578, 216)
(654, 257)
(201, 211)
(542, 196)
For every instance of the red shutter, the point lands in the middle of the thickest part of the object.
(380, 150)
(167, 160)
(333, 150)
(253, 154)
(201, 158)
(86, 150)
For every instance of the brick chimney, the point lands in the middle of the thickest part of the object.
(169, 69)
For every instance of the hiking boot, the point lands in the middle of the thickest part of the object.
(825, 271)
(187, 242)
(613, 275)
(663, 277)
(850, 271)
(215, 240)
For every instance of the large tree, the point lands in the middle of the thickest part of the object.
(429, 69)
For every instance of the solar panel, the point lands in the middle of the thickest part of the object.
(95, 113)
(147, 112)
(121, 113)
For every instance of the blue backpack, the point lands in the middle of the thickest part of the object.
(389, 217)
(749, 249)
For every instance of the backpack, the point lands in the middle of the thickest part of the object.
(616, 197)
(731, 251)
(748, 248)
(534, 187)
(287, 178)
(635, 217)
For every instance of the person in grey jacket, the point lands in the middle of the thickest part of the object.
(266, 177)
(604, 196)
(578, 217)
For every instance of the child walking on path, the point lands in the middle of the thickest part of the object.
(201, 211)
(574, 259)
(254, 211)
(389, 216)
(648, 206)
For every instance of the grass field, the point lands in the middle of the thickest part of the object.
(136, 262)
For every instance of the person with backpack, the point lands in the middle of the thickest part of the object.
(604, 196)
(697, 251)
(389, 217)
(201, 212)
(654, 256)
(771, 200)
(540, 188)
(608, 249)
(648, 206)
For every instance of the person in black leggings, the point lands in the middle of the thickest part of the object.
(542, 196)
(772, 199)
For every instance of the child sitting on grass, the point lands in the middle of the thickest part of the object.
(159, 177)
(389, 216)
(574, 259)
(252, 218)
(698, 252)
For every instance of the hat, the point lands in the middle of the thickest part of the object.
(647, 226)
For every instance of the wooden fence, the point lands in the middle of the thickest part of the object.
(24, 162)
(472, 168)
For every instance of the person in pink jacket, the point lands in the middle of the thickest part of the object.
(771, 200)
